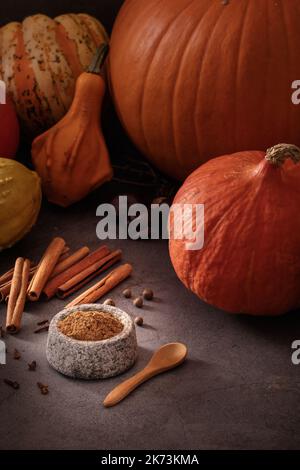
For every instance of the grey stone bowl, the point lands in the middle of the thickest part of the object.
(92, 360)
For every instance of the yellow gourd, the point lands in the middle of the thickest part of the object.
(20, 201)
(71, 157)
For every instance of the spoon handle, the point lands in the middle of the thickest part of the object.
(123, 389)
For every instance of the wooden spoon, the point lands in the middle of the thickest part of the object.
(165, 358)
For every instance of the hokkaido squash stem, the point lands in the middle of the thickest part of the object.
(278, 154)
(99, 59)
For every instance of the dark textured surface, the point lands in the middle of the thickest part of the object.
(238, 388)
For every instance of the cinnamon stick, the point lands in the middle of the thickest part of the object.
(5, 288)
(6, 277)
(65, 261)
(85, 276)
(53, 284)
(45, 268)
(104, 286)
(17, 298)
(65, 254)
(65, 251)
(69, 261)
(15, 289)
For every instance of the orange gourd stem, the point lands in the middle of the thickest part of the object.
(99, 59)
(90, 87)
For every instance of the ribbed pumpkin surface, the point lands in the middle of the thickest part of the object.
(195, 79)
(40, 61)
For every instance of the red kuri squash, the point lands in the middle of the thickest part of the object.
(250, 262)
(9, 130)
(195, 79)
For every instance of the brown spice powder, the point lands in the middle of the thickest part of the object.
(90, 326)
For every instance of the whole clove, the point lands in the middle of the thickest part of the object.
(17, 355)
(32, 366)
(42, 323)
(43, 388)
(41, 329)
(11, 383)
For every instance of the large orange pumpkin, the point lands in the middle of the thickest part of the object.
(250, 261)
(40, 60)
(195, 79)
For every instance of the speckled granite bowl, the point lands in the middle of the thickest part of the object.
(92, 359)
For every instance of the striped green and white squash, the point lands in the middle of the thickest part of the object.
(40, 60)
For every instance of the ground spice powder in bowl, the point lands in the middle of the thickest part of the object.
(90, 326)
(91, 341)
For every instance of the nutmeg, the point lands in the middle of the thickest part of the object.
(139, 321)
(127, 293)
(138, 302)
(110, 302)
(148, 294)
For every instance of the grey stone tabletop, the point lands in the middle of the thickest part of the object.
(237, 390)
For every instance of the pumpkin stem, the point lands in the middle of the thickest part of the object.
(99, 59)
(278, 154)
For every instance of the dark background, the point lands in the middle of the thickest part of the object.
(16, 10)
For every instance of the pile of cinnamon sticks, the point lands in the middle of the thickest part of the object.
(60, 274)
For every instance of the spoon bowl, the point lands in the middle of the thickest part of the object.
(168, 356)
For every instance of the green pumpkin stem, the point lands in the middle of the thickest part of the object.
(278, 154)
(99, 59)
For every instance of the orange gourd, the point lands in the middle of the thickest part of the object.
(250, 261)
(71, 157)
(40, 60)
(196, 79)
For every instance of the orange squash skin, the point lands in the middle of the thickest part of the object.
(196, 79)
(250, 262)
(72, 158)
